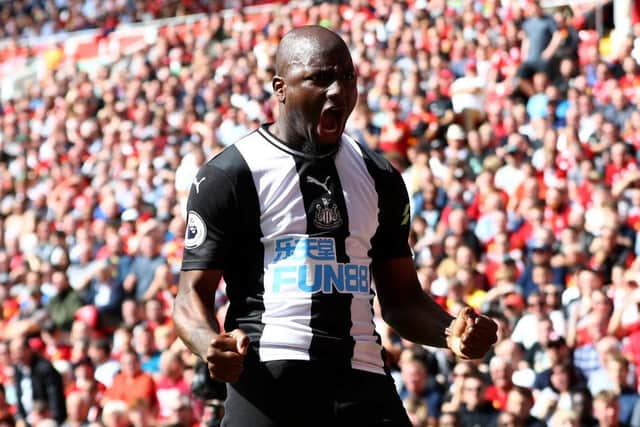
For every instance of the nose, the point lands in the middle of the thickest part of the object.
(336, 88)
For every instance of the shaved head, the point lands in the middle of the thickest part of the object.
(315, 84)
(303, 43)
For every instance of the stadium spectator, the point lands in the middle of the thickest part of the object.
(131, 385)
(474, 409)
(38, 385)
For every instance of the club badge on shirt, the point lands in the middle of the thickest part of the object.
(196, 231)
(326, 215)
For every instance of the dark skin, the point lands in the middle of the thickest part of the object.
(315, 83)
(316, 88)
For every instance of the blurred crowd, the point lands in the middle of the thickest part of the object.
(519, 144)
(36, 18)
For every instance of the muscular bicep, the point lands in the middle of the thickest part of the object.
(201, 281)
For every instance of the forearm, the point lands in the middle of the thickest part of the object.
(194, 314)
(194, 328)
(421, 321)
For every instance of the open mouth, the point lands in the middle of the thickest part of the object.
(330, 121)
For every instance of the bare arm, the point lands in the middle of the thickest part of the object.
(615, 327)
(405, 307)
(524, 49)
(554, 44)
(193, 310)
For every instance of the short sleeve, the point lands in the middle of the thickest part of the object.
(210, 220)
(392, 237)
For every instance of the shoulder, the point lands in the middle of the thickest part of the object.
(233, 163)
(375, 162)
(43, 365)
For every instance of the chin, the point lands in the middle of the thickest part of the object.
(320, 147)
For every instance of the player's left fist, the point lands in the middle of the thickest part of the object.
(470, 336)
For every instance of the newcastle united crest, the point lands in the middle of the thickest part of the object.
(326, 215)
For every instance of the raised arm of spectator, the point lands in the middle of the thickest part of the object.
(572, 324)
(524, 49)
(159, 282)
(129, 283)
(553, 45)
(615, 323)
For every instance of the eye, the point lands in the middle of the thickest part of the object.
(321, 77)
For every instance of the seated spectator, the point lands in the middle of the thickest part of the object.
(144, 345)
(143, 267)
(606, 409)
(105, 367)
(77, 409)
(557, 395)
(538, 356)
(564, 418)
(132, 385)
(106, 294)
(500, 372)
(449, 419)
(519, 403)
(36, 380)
(417, 411)
(171, 385)
(535, 322)
(63, 306)
(6, 415)
(474, 409)
(617, 381)
(418, 383)
(114, 414)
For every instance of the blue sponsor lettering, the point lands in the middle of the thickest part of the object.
(332, 278)
(304, 248)
(325, 278)
(284, 275)
(363, 278)
(351, 278)
(303, 285)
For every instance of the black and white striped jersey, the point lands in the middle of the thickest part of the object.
(295, 236)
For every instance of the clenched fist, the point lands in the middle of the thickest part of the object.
(470, 336)
(225, 355)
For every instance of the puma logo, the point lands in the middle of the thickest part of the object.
(312, 180)
(197, 183)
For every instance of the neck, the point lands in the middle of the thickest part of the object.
(302, 143)
(286, 135)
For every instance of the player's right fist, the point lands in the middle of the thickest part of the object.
(225, 355)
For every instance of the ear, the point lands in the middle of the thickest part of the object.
(279, 88)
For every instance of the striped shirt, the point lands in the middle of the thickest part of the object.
(295, 236)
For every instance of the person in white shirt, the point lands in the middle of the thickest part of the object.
(467, 96)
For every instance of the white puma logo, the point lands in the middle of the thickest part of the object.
(197, 183)
(312, 180)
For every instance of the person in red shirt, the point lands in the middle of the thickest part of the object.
(621, 163)
(171, 385)
(630, 82)
(394, 135)
(500, 371)
(556, 212)
(131, 385)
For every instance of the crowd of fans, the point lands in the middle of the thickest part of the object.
(41, 18)
(518, 143)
